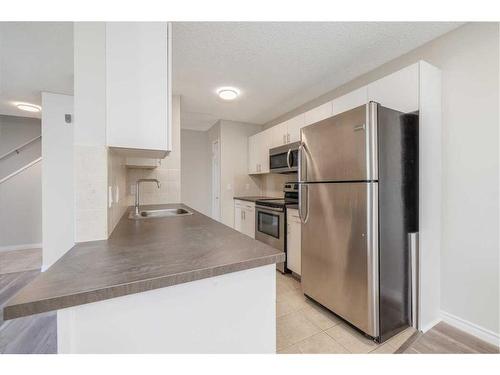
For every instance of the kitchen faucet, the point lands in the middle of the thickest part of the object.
(137, 183)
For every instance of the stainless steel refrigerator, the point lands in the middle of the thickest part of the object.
(358, 201)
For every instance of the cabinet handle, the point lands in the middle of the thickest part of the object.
(243, 212)
(288, 138)
(284, 138)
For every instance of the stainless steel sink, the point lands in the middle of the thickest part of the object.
(166, 212)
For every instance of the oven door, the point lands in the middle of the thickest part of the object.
(270, 226)
(284, 159)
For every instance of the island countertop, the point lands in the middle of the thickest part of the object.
(141, 255)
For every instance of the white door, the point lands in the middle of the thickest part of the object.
(58, 199)
(215, 180)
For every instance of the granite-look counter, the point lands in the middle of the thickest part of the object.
(142, 255)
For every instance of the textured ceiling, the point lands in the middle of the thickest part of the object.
(279, 66)
(34, 57)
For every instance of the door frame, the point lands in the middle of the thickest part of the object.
(215, 195)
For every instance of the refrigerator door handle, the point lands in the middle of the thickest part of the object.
(303, 219)
(302, 160)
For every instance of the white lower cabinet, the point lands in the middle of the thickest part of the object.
(244, 217)
(293, 241)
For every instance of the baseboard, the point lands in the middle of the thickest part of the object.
(471, 328)
(21, 247)
(430, 325)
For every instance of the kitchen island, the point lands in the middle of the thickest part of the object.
(185, 284)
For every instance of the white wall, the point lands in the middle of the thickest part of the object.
(195, 170)
(57, 178)
(20, 196)
(91, 175)
(15, 131)
(234, 180)
(469, 60)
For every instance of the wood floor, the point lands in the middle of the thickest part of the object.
(445, 339)
(35, 334)
(302, 327)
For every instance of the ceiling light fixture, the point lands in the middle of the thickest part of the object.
(29, 107)
(228, 93)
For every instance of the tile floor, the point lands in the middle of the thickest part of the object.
(303, 326)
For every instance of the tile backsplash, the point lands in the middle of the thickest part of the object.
(272, 184)
(91, 176)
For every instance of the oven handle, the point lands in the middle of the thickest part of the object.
(288, 158)
(265, 208)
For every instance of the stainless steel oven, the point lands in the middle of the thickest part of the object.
(284, 159)
(270, 228)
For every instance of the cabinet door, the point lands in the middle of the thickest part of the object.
(238, 216)
(137, 86)
(265, 141)
(293, 127)
(253, 153)
(397, 91)
(318, 114)
(279, 135)
(249, 221)
(293, 242)
(351, 100)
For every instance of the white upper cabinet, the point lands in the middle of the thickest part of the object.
(318, 114)
(279, 134)
(288, 131)
(138, 93)
(253, 154)
(397, 91)
(258, 151)
(351, 100)
(293, 126)
(265, 145)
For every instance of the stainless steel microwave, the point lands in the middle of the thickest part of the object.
(284, 159)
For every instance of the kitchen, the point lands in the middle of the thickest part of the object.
(285, 175)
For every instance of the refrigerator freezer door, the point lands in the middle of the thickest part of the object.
(340, 251)
(341, 148)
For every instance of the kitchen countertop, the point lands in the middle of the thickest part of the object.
(254, 198)
(141, 255)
